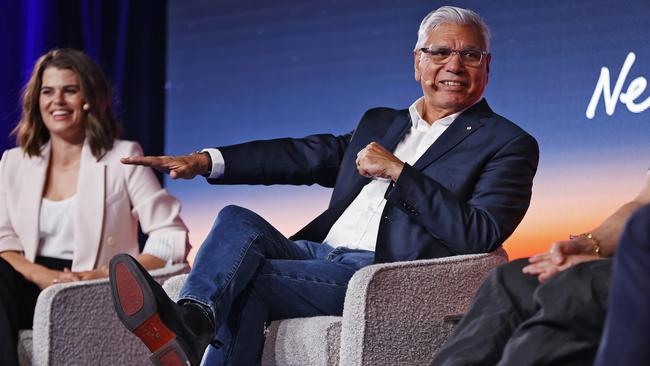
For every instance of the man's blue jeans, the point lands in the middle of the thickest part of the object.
(248, 273)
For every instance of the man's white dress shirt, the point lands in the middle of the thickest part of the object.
(358, 226)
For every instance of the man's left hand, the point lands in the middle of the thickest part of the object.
(375, 161)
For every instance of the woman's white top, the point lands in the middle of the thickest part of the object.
(55, 228)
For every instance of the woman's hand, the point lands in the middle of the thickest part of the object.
(44, 277)
(92, 275)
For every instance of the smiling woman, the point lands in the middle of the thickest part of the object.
(61, 104)
(70, 81)
(67, 205)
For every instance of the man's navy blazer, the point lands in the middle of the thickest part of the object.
(466, 194)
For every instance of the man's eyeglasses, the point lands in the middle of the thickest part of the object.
(442, 55)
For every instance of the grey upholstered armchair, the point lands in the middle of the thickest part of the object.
(394, 314)
(75, 324)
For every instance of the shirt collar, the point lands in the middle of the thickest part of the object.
(418, 122)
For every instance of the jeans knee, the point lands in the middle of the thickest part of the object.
(238, 215)
(231, 211)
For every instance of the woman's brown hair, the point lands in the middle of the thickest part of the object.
(101, 126)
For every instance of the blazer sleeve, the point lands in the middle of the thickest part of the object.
(8, 239)
(157, 211)
(498, 202)
(311, 160)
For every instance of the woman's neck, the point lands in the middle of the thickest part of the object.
(65, 153)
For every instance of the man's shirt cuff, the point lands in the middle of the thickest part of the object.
(218, 165)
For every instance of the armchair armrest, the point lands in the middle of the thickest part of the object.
(76, 321)
(394, 313)
(174, 285)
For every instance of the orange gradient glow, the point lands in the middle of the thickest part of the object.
(571, 202)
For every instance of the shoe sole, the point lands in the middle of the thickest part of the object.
(136, 307)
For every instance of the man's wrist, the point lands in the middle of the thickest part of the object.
(396, 171)
(205, 162)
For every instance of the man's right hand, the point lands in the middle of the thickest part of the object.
(185, 166)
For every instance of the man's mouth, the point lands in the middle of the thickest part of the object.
(452, 83)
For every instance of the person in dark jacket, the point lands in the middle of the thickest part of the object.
(446, 176)
(550, 309)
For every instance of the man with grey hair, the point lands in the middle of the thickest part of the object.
(446, 176)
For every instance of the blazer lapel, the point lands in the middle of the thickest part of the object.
(392, 137)
(89, 216)
(396, 131)
(466, 124)
(30, 197)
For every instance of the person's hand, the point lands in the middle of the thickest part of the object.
(185, 166)
(544, 266)
(44, 277)
(375, 161)
(560, 249)
(92, 275)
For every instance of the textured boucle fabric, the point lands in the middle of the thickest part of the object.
(394, 313)
(174, 285)
(75, 324)
(303, 341)
(25, 348)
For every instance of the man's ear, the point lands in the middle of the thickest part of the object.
(416, 65)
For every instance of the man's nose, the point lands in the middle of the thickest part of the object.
(455, 63)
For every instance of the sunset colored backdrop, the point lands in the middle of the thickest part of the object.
(242, 70)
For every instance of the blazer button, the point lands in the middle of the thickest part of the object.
(110, 241)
